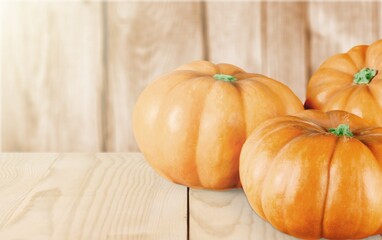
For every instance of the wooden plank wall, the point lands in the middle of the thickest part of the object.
(71, 72)
(52, 76)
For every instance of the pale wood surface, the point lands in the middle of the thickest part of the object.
(52, 76)
(72, 71)
(145, 41)
(88, 196)
(115, 196)
(227, 215)
(260, 37)
(338, 26)
(285, 44)
(234, 34)
(380, 19)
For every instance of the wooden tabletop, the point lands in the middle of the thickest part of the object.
(115, 196)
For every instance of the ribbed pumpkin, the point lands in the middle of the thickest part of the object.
(191, 123)
(351, 81)
(316, 174)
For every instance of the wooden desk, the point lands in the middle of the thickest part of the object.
(115, 196)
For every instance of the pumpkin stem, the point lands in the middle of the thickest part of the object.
(341, 130)
(364, 76)
(225, 77)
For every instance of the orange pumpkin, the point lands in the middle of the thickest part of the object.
(350, 82)
(316, 174)
(191, 123)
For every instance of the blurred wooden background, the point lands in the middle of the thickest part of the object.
(71, 71)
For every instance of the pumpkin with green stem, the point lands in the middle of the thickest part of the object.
(351, 81)
(316, 174)
(192, 122)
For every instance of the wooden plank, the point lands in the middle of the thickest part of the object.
(285, 44)
(85, 196)
(376, 237)
(52, 76)
(338, 26)
(2, 20)
(234, 34)
(227, 215)
(18, 177)
(254, 36)
(145, 40)
(380, 19)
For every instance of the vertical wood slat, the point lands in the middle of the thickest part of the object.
(335, 27)
(286, 44)
(145, 40)
(2, 19)
(380, 19)
(234, 34)
(266, 38)
(227, 215)
(52, 76)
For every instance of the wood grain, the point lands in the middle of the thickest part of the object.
(234, 34)
(52, 76)
(86, 196)
(17, 179)
(285, 44)
(267, 38)
(227, 215)
(335, 27)
(2, 20)
(145, 40)
(71, 72)
(115, 196)
(380, 19)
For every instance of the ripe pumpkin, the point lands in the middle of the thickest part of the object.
(191, 123)
(351, 81)
(316, 174)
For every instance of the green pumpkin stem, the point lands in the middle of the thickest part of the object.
(225, 77)
(364, 76)
(341, 130)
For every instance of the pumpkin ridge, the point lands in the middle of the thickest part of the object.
(198, 137)
(326, 71)
(269, 89)
(312, 124)
(368, 58)
(220, 68)
(239, 89)
(340, 91)
(368, 145)
(357, 52)
(160, 109)
(374, 98)
(352, 60)
(339, 59)
(258, 142)
(351, 95)
(357, 233)
(327, 188)
(194, 72)
(172, 89)
(295, 138)
(336, 69)
(276, 127)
